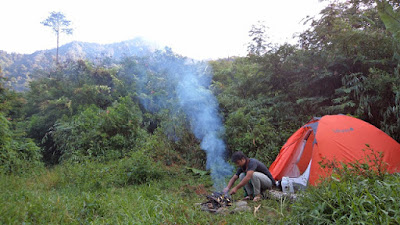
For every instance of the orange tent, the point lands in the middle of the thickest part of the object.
(336, 138)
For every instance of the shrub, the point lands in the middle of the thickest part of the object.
(161, 149)
(351, 201)
(360, 192)
(17, 153)
(251, 132)
(136, 169)
(102, 134)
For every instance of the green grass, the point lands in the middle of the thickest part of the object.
(61, 196)
(109, 193)
(358, 200)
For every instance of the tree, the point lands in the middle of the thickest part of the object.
(1, 81)
(390, 15)
(258, 36)
(59, 24)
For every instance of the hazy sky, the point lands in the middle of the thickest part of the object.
(195, 28)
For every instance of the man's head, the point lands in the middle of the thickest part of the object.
(239, 158)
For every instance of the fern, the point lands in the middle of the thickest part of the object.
(390, 18)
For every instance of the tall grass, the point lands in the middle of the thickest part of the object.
(350, 202)
(112, 193)
(360, 192)
(93, 193)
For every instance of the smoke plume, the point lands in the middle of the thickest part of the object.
(201, 107)
(188, 81)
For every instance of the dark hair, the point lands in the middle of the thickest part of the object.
(238, 156)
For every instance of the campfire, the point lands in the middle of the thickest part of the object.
(215, 201)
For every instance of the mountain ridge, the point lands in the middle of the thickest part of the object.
(19, 68)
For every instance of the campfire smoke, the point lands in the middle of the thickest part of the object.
(189, 82)
(201, 107)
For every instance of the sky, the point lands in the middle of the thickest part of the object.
(199, 29)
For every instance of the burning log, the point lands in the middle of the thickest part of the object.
(220, 202)
(216, 201)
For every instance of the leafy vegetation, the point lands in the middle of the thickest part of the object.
(116, 140)
(358, 192)
(17, 152)
(74, 194)
(101, 193)
(110, 133)
(21, 69)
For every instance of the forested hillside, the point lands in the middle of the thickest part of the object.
(346, 62)
(109, 104)
(20, 69)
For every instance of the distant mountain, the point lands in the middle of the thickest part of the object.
(21, 68)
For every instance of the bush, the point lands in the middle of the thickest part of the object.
(136, 169)
(359, 192)
(161, 149)
(348, 202)
(102, 134)
(17, 153)
(249, 131)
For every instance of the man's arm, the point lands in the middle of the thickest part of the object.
(245, 180)
(231, 182)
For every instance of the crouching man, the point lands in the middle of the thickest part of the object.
(254, 177)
